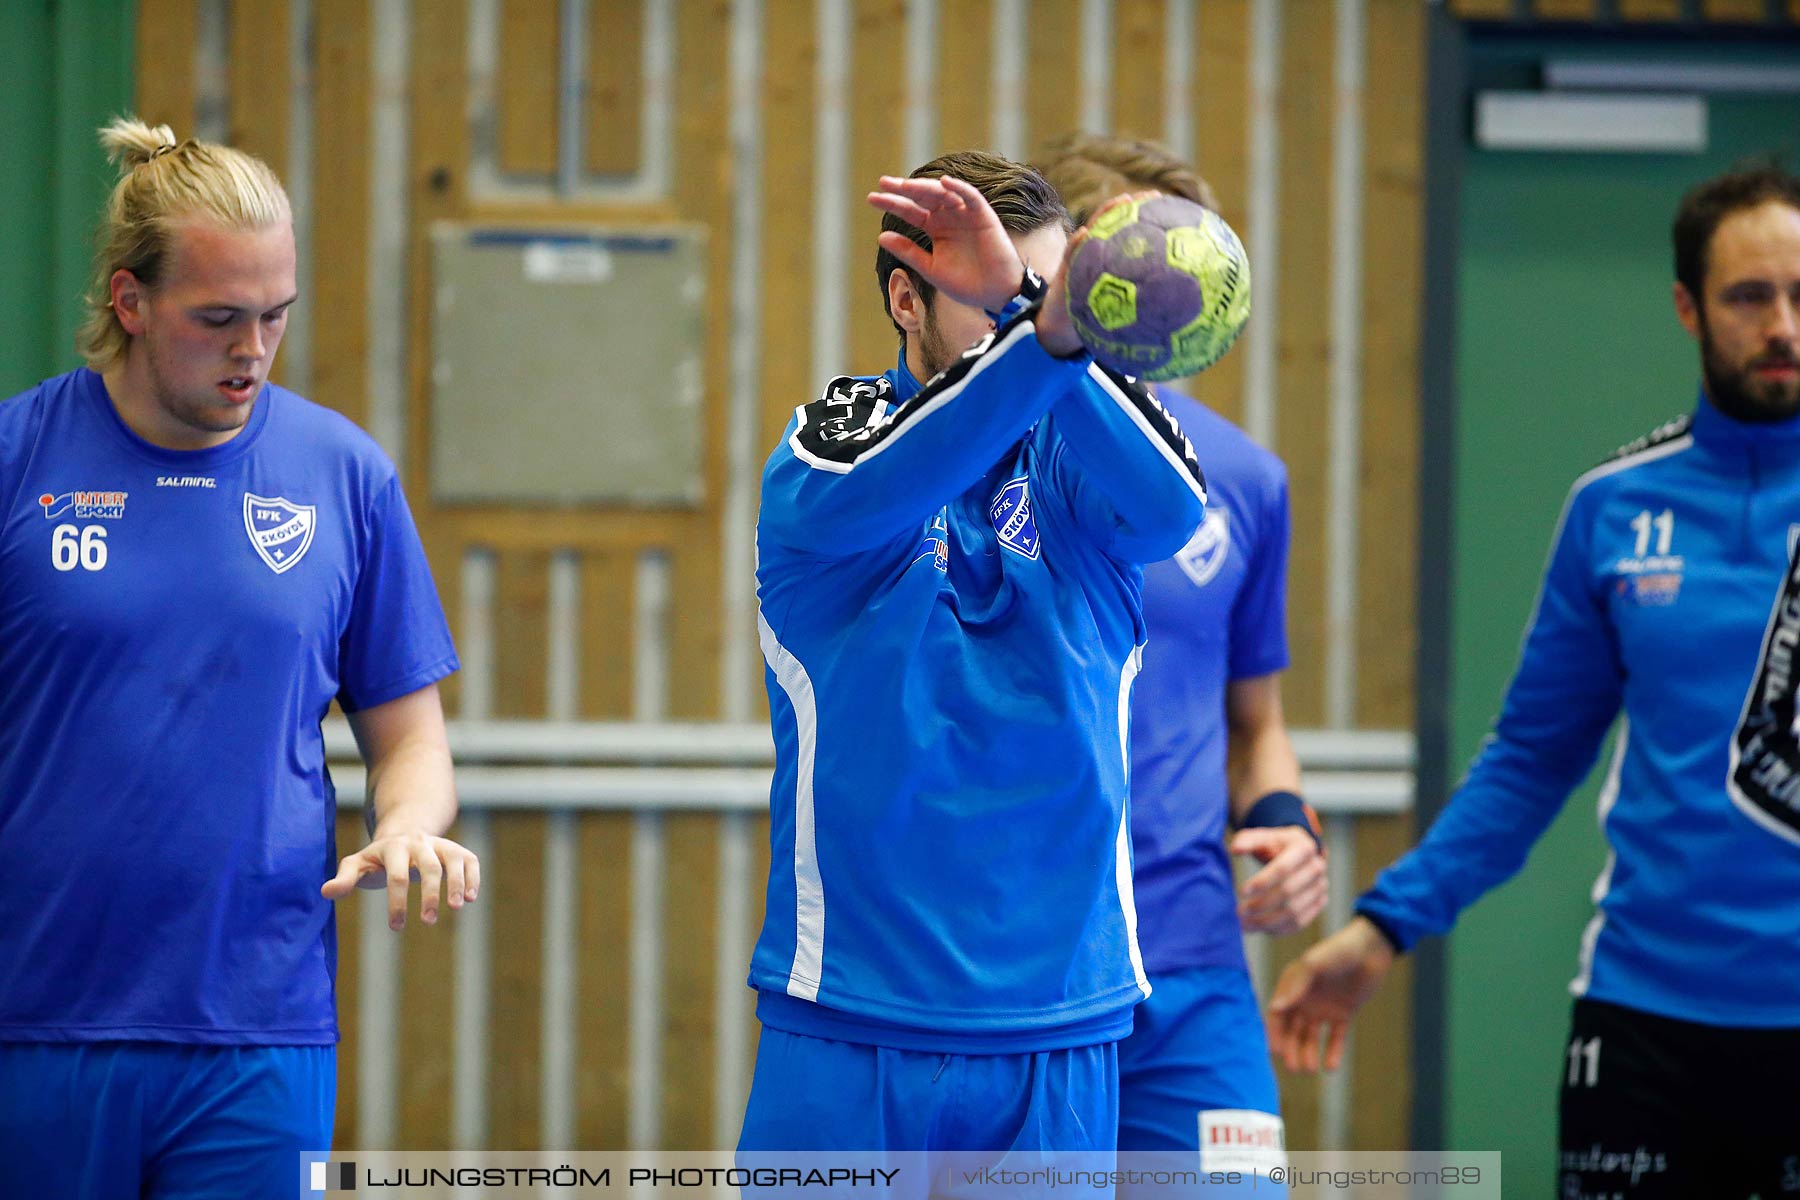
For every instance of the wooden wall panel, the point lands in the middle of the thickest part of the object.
(259, 82)
(607, 613)
(690, 945)
(166, 34)
(615, 86)
(527, 86)
(1393, 278)
(512, 883)
(1138, 68)
(427, 1015)
(1735, 12)
(965, 75)
(1649, 10)
(791, 50)
(437, 141)
(259, 95)
(1388, 500)
(602, 1008)
(521, 637)
(877, 92)
(1303, 327)
(1302, 420)
(340, 249)
(1053, 71)
(1563, 10)
(1484, 10)
(1220, 102)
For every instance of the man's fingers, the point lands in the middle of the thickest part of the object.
(1334, 1052)
(906, 209)
(399, 876)
(906, 250)
(351, 868)
(472, 873)
(431, 881)
(454, 880)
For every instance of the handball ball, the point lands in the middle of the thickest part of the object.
(1160, 288)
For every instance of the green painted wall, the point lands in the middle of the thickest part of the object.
(1567, 346)
(68, 66)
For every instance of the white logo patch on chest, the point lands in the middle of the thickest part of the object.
(1207, 550)
(280, 531)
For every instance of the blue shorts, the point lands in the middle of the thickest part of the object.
(106, 1120)
(811, 1093)
(1198, 1060)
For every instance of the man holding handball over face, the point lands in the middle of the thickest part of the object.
(193, 564)
(949, 582)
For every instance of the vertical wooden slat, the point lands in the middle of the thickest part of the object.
(1137, 68)
(615, 92)
(691, 941)
(1736, 12)
(521, 590)
(340, 246)
(1302, 386)
(602, 1010)
(527, 85)
(1484, 10)
(512, 884)
(791, 50)
(965, 75)
(878, 91)
(438, 142)
(166, 36)
(1649, 10)
(606, 624)
(1219, 97)
(427, 1014)
(521, 632)
(1563, 10)
(257, 75)
(1052, 53)
(1393, 220)
(1302, 402)
(350, 838)
(702, 192)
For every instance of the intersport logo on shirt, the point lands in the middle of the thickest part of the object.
(87, 506)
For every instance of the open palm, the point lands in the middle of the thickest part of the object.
(972, 259)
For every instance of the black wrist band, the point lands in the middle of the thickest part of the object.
(1283, 808)
(1031, 290)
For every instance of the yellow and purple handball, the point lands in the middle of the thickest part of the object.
(1161, 287)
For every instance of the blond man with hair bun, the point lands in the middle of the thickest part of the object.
(194, 564)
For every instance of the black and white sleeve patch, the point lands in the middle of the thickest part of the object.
(1031, 290)
(835, 427)
(855, 419)
(1156, 422)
